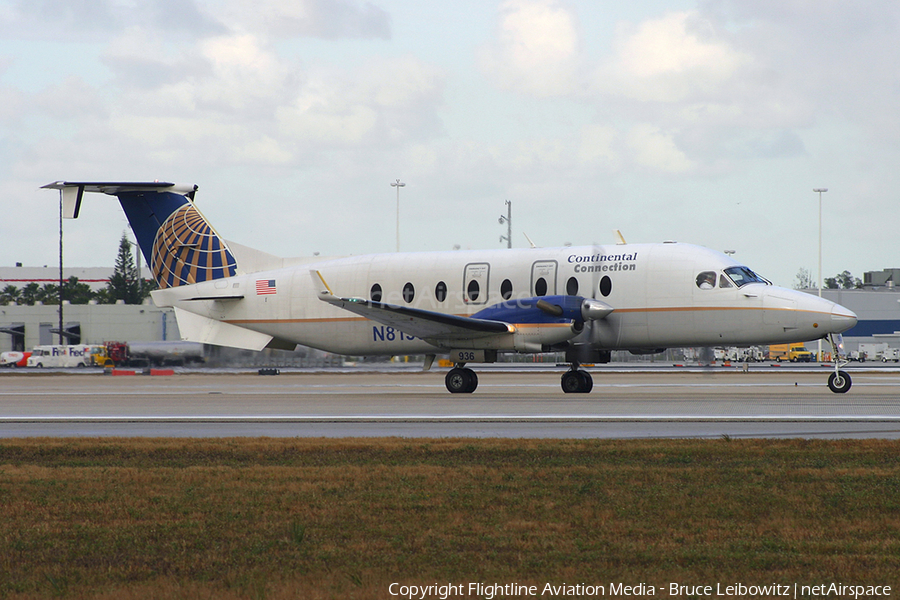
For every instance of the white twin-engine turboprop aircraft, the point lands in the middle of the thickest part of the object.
(471, 305)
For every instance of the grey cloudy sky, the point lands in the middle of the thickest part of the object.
(699, 121)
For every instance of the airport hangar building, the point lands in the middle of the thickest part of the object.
(877, 304)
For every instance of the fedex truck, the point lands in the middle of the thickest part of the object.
(61, 356)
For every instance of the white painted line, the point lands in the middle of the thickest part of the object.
(443, 419)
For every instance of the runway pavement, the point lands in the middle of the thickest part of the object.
(509, 402)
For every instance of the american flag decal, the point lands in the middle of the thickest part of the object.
(265, 286)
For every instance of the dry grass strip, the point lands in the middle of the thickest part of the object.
(321, 518)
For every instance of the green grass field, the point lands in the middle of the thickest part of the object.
(318, 518)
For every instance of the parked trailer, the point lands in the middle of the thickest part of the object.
(871, 350)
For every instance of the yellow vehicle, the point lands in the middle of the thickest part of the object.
(791, 352)
(100, 357)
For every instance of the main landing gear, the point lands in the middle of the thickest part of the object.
(576, 381)
(839, 381)
(460, 380)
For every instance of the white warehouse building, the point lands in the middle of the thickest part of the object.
(24, 327)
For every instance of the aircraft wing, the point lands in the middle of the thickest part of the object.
(419, 323)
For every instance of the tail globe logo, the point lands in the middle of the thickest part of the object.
(188, 250)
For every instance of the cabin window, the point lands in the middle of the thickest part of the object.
(572, 286)
(375, 293)
(440, 291)
(706, 280)
(724, 282)
(540, 287)
(473, 290)
(506, 289)
(409, 292)
(605, 285)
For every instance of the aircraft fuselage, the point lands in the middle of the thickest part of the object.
(654, 290)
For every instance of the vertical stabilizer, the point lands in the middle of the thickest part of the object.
(178, 243)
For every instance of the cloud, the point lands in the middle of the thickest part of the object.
(71, 99)
(382, 102)
(537, 49)
(326, 19)
(675, 58)
(656, 149)
(85, 19)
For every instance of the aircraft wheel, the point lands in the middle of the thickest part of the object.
(839, 382)
(588, 382)
(461, 381)
(576, 382)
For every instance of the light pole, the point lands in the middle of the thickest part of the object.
(820, 191)
(61, 340)
(397, 184)
(508, 219)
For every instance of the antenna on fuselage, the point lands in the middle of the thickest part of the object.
(621, 241)
(530, 243)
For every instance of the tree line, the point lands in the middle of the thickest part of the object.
(124, 284)
(842, 281)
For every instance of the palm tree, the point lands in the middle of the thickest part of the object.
(30, 294)
(9, 294)
(77, 293)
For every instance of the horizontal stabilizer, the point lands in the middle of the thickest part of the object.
(73, 191)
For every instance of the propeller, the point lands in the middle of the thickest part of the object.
(593, 309)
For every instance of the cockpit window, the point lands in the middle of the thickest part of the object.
(741, 276)
(706, 280)
(724, 282)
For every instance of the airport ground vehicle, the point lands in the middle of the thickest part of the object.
(112, 354)
(14, 359)
(791, 352)
(62, 356)
(751, 354)
(890, 354)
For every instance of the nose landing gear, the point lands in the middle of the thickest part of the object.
(839, 381)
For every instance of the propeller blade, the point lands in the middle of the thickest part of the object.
(550, 309)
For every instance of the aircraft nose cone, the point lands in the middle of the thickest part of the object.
(842, 319)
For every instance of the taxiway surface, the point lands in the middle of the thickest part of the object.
(508, 403)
